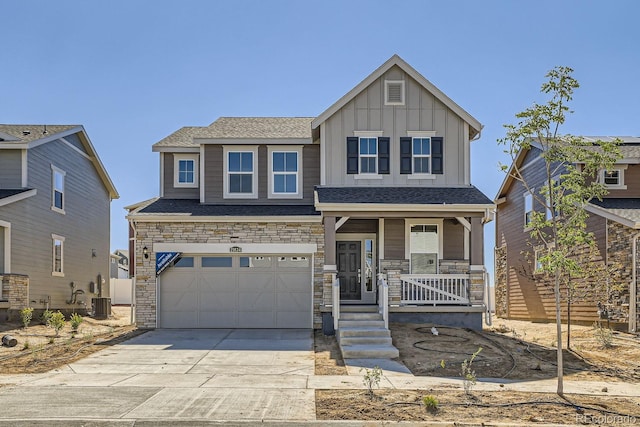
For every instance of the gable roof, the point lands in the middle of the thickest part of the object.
(30, 136)
(395, 60)
(624, 211)
(239, 128)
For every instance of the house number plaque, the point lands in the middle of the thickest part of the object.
(235, 249)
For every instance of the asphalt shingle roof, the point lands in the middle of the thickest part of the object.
(403, 195)
(628, 208)
(11, 192)
(193, 207)
(27, 133)
(241, 128)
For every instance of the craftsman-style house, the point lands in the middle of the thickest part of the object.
(272, 222)
(522, 292)
(55, 197)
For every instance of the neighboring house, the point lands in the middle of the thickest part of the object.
(55, 198)
(260, 218)
(522, 293)
(119, 267)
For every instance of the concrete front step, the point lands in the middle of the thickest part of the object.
(358, 308)
(360, 316)
(362, 332)
(360, 323)
(357, 340)
(369, 351)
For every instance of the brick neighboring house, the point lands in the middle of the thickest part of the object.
(614, 221)
(259, 219)
(55, 197)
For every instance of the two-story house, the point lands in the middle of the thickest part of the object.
(523, 293)
(55, 198)
(284, 222)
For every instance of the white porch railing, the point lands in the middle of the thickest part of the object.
(335, 308)
(434, 289)
(383, 299)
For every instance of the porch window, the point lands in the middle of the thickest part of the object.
(424, 245)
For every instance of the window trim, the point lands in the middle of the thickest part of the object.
(56, 238)
(56, 170)
(176, 170)
(402, 92)
(254, 183)
(377, 134)
(367, 156)
(410, 222)
(271, 194)
(620, 185)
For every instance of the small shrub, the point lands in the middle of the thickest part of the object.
(26, 315)
(372, 378)
(46, 317)
(52, 340)
(57, 322)
(430, 403)
(26, 345)
(604, 336)
(75, 320)
(468, 373)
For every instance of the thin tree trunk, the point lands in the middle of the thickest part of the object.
(560, 389)
(568, 320)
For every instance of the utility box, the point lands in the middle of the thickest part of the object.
(101, 307)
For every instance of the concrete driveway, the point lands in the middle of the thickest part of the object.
(178, 374)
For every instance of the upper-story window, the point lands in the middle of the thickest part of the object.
(57, 189)
(368, 155)
(185, 170)
(394, 92)
(285, 172)
(421, 155)
(614, 178)
(241, 175)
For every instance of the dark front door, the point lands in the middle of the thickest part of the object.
(348, 256)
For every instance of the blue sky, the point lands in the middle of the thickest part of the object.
(132, 72)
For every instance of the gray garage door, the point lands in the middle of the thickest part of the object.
(213, 291)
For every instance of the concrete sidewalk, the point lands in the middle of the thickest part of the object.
(202, 376)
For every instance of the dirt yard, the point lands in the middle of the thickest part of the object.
(510, 349)
(39, 349)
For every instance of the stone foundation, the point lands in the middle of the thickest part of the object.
(16, 289)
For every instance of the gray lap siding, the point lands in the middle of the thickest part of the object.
(150, 233)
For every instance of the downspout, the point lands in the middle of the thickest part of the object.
(633, 288)
(132, 259)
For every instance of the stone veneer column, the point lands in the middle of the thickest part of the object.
(395, 287)
(18, 297)
(476, 284)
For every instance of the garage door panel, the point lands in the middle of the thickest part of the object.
(256, 319)
(255, 292)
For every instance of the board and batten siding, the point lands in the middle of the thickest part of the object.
(528, 296)
(214, 180)
(11, 169)
(85, 227)
(421, 112)
(171, 192)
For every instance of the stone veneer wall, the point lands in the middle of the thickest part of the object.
(454, 266)
(620, 257)
(16, 288)
(148, 233)
(501, 282)
(401, 265)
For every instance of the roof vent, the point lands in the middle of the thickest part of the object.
(394, 92)
(26, 132)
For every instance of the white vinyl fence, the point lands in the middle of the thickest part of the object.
(121, 291)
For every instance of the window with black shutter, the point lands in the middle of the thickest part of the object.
(421, 155)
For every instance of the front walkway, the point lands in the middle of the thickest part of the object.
(215, 375)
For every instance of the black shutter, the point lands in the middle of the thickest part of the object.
(383, 155)
(352, 154)
(405, 155)
(437, 155)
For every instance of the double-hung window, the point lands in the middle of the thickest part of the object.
(614, 178)
(421, 155)
(240, 177)
(368, 155)
(57, 255)
(57, 189)
(285, 172)
(528, 209)
(186, 170)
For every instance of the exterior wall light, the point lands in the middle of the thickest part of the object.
(145, 252)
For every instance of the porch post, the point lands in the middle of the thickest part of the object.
(476, 268)
(329, 268)
(477, 242)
